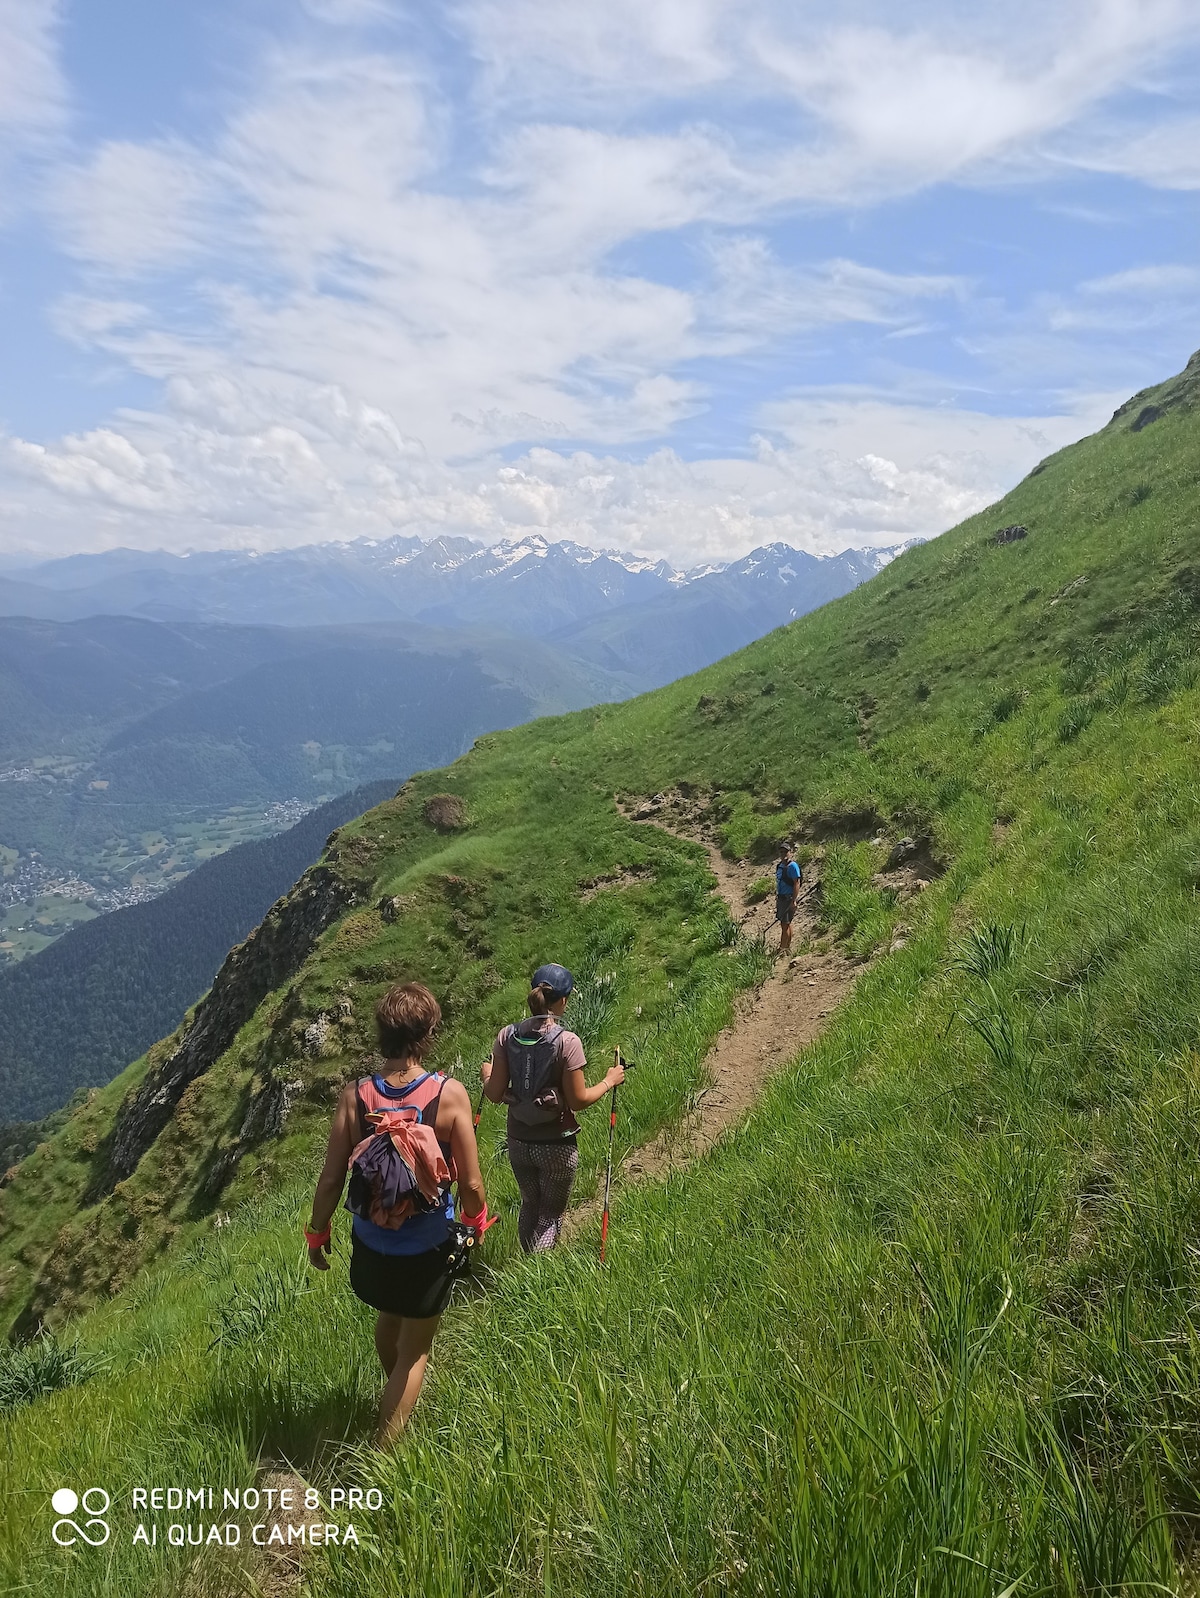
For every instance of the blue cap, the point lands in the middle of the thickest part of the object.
(555, 977)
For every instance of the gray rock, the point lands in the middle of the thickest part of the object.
(265, 1118)
(317, 1035)
(392, 907)
(273, 952)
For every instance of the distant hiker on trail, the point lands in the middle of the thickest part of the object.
(537, 1070)
(788, 877)
(406, 1133)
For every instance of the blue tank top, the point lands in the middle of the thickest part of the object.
(419, 1233)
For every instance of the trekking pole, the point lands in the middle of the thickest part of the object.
(612, 1132)
(478, 1112)
(626, 1065)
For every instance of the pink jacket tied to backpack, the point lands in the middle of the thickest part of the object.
(399, 1169)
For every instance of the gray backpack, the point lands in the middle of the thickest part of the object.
(534, 1072)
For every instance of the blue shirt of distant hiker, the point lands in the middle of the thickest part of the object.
(786, 877)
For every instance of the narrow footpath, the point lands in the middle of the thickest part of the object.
(770, 1025)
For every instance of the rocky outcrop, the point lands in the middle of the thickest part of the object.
(272, 954)
(392, 906)
(1181, 392)
(265, 1117)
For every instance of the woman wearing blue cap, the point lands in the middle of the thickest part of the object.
(537, 1070)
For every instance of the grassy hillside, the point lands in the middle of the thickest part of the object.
(926, 1323)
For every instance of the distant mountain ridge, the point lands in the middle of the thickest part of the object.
(531, 585)
(705, 618)
(147, 699)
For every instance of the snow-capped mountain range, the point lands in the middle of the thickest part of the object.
(637, 618)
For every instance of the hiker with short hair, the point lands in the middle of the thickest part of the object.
(407, 1134)
(788, 877)
(537, 1070)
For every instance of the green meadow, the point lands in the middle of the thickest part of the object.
(927, 1322)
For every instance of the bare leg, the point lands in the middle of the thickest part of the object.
(785, 937)
(404, 1383)
(387, 1340)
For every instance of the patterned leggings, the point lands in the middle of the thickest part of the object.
(544, 1173)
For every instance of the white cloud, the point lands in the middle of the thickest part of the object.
(457, 316)
(983, 453)
(1132, 302)
(33, 95)
(347, 13)
(135, 208)
(231, 463)
(548, 51)
(360, 291)
(101, 465)
(891, 98)
(919, 104)
(756, 294)
(1166, 156)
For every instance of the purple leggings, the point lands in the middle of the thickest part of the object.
(544, 1173)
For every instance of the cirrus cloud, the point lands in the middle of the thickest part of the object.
(616, 271)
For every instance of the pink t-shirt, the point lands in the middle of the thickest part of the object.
(570, 1053)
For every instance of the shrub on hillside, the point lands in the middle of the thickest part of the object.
(42, 1366)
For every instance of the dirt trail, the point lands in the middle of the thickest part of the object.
(770, 1025)
(280, 1568)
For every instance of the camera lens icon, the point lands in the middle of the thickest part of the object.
(65, 1501)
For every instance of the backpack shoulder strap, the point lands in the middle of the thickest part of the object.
(430, 1111)
(426, 1112)
(363, 1124)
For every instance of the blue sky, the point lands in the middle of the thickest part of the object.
(676, 276)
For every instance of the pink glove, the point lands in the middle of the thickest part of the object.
(479, 1223)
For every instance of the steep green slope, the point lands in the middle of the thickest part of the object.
(926, 1322)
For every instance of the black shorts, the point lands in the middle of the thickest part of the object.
(785, 910)
(416, 1285)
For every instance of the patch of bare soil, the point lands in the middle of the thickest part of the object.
(627, 877)
(771, 1024)
(280, 1572)
(271, 1570)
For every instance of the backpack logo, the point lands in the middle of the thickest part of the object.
(534, 1071)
